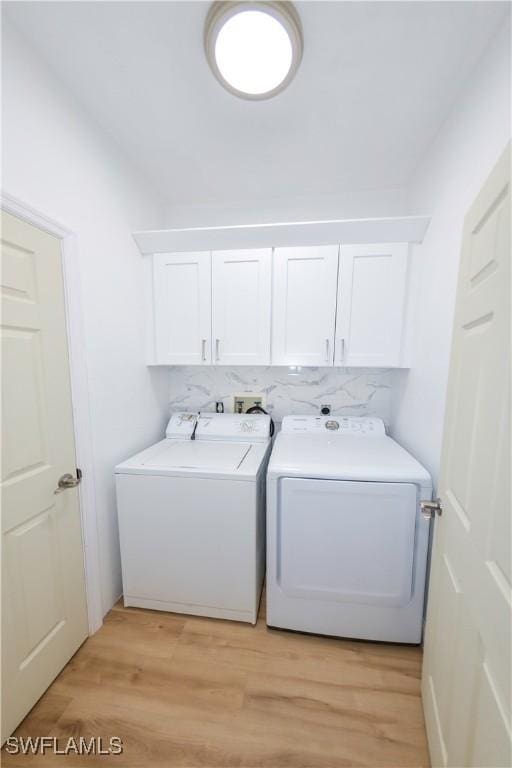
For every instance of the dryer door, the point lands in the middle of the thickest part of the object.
(347, 541)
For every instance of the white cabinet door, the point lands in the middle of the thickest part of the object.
(182, 291)
(304, 305)
(371, 301)
(241, 296)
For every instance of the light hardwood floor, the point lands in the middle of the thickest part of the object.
(186, 691)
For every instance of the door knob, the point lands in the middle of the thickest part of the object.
(68, 481)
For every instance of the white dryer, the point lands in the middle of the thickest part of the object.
(192, 517)
(346, 541)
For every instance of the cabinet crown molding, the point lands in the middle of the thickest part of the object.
(405, 229)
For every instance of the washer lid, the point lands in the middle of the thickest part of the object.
(198, 454)
(199, 458)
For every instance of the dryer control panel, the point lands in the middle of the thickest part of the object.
(334, 425)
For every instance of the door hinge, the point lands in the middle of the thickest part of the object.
(78, 473)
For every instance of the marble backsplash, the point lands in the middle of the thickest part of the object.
(349, 391)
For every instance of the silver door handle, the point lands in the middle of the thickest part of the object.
(430, 509)
(327, 350)
(217, 353)
(67, 481)
(203, 349)
(342, 349)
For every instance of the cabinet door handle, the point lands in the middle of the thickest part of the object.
(342, 349)
(327, 350)
(203, 350)
(217, 352)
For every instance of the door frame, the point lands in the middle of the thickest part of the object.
(79, 394)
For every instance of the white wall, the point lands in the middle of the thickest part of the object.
(445, 185)
(60, 164)
(371, 203)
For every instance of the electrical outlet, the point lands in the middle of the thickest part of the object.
(245, 400)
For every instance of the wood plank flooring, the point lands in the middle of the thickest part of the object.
(186, 691)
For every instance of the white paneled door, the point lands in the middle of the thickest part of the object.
(467, 668)
(304, 305)
(371, 302)
(241, 300)
(44, 617)
(182, 292)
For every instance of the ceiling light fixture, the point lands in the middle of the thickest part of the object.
(253, 48)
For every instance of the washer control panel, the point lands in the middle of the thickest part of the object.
(253, 427)
(181, 425)
(334, 425)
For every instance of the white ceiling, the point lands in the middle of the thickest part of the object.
(375, 84)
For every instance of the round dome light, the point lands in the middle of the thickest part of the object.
(253, 48)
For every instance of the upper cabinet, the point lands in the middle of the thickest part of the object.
(309, 306)
(304, 305)
(241, 306)
(371, 305)
(182, 308)
(212, 308)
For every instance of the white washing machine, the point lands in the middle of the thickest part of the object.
(192, 517)
(346, 541)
